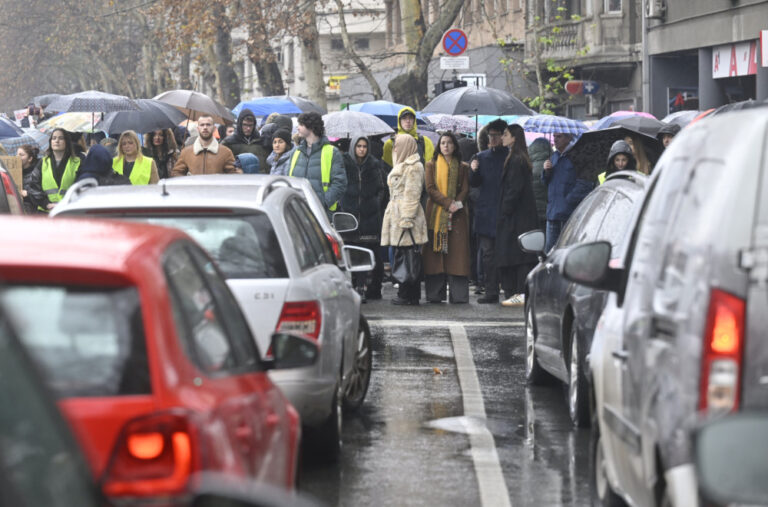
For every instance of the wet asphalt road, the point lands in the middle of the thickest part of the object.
(419, 438)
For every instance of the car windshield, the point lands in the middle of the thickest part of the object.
(89, 341)
(242, 246)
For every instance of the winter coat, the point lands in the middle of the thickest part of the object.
(214, 159)
(164, 164)
(98, 165)
(426, 148)
(619, 147)
(35, 195)
(280, 165)
(238, 143)
(488, 178)
(308, 166)
(456, 261)
(564, 189)
(365, 191)
(540, 151)
(516, 213)
(404, 211)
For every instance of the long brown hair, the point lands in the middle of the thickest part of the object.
(69, 150)
(168, 146)
(520, 148)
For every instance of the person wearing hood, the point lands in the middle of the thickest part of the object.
(274, 123)
(620, 158)
(540, 150)
(246, 139)
(282, 151)
(406, 124)
(317, 160)
(98, 165)
(667, 133)
(365, 191)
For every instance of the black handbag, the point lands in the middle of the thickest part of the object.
(406, 264)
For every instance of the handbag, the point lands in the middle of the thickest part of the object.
(406, 264)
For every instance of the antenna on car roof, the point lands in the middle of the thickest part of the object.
(165, 192)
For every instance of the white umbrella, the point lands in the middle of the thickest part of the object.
(346, 124)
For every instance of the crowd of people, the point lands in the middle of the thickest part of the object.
(462, 203)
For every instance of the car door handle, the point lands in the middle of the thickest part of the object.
(621, 355)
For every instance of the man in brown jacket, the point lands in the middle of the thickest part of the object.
(205, 155)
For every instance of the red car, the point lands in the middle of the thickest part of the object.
(152, 361)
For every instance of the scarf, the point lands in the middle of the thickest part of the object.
(446, 177)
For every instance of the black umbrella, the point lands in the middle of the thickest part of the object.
(152, 115)
(738, 106)
(641, 124)
(590, 153)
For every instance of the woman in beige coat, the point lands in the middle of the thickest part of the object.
(404, 223)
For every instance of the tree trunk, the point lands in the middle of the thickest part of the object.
(184, 69)
(310, 56)
(227, 81)
(263, 57)
(364, 70)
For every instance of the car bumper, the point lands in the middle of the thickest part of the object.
(310, 396)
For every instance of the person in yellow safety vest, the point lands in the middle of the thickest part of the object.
(57, 169)
(132, 163)
(317, 160)
(406, 124)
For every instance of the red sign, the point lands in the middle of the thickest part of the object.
(455, 42)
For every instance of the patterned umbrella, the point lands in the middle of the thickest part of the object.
(153, 115)
(40, 138)
(549, 124)
(11, 144)
(455, 123)
(71, 122)
(92, 101)
(196, 104)
(345, 124)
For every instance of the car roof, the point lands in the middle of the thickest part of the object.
(78, 243)
(235, 179)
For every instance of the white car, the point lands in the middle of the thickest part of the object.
(283, 270)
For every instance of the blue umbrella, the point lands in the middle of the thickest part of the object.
(385, 110)
(9, 129)
(549, 124)
(264, 106)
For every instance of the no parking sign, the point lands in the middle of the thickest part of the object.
(455, 42)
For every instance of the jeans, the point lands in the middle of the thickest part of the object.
(553, 233)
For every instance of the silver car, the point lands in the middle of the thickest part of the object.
(682, 336)
(281, 267)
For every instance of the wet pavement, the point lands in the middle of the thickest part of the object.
(419, 437)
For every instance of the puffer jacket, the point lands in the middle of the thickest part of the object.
(308, 166)
(365, 191)
(540, 151)
(404, 211)
(282, 164)
(238, 143)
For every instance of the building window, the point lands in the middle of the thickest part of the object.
(337, 44)
(612, 5)
(362, 43)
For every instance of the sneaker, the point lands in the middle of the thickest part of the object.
(488, 300)
(515, 300)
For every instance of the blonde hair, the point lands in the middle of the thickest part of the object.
(130, 134)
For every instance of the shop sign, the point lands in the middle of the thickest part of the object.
(731, 60)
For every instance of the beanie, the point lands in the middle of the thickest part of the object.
(283, 134)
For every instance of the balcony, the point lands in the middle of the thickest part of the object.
(564, 40)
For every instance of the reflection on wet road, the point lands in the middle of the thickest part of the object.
(419, 439)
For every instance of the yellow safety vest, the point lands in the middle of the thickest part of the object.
(55, 192)
(142, 169)
(326, 160)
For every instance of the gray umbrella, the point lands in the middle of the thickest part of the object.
(152, 115)
(354, 123)
(473, 100)
(44, 100)
(642, 124)
(196, 104)
(92, 101)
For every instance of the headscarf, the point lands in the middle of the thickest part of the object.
(404, 147)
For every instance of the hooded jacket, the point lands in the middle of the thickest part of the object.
(426, 148)
(365, 192)
(619, 147)
(239, 143)
(98, 165)
(308, 165)
(280, 165)
(669, 129)
(539, 151)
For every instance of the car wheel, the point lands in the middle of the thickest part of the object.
(577, 394)
(326, 438)
(360, 375)
(534, 373)
(601, 492)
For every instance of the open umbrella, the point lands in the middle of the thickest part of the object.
(71, 122)
(196, 104)
(641, 124)
(550, 124)
(92, 101)
(476, 100)
(152, 115)
(591, 150)
(265, 106)
(682, 118)
(40, 138)
(455, 123)
(607, 121)
(384, 110)
(345, 124)
(738, 106)
(9, 129)
(44, 100)
(11, 144)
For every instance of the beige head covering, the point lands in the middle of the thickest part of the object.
(404, 147)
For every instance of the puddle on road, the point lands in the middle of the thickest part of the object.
(461, 424)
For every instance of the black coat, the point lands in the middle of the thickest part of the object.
(31, 179)
(516, 213)
(366, 189)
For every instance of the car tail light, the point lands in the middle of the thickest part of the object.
(334, 245)
(722, 358)
(154, 456)
(301, 317)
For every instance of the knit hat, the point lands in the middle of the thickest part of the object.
(283, 134)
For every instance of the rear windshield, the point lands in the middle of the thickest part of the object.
(88, 341)
(242, 246)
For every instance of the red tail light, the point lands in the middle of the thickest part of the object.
(154, 456)
(302, 317)
(334, 245)
(722, 357)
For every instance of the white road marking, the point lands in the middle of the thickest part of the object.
(490, 479)
(441, 323)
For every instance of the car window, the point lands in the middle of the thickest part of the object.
(40, 463)
(198, 318)
(616, 222)
(240, 336)
(242, 246)
(305, 254)
(314, 232)
(574, 226)
(88, 340)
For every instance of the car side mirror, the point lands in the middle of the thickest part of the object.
(344, 222)
(291, 350)
(588, 264)
(730, 459)
(219, 490)
(532, 242)
(357, 259)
